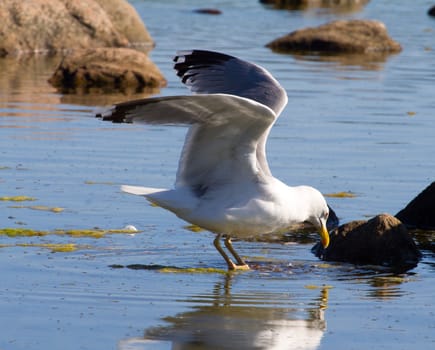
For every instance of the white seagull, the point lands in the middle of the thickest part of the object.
(223, 182)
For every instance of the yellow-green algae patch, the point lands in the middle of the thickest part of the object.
(171, 269)
(192, 270)
(82, 233)
(89, 182)
(92, 233)
(325, 266)
(344, 194)
(193, 228)
(57, 209)
(54, 247)
(21, 232)
(314, 286)
(17, 199)
(39, 207)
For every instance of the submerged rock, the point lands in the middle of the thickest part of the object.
(431, 11)
(340, 5)
(108, 69)
(382, 240)
(208, 11)
(50, 26)
(420, 212)
(345, 36)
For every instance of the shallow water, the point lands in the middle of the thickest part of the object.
(351, 125)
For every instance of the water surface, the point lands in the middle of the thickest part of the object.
(350, 125)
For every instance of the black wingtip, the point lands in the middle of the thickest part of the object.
(189, 59)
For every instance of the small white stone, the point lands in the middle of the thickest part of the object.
(130, 228)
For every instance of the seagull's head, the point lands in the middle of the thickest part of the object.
(318, 213)
(320, 223)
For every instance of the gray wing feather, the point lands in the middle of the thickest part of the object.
(224, 139)
(214, 72)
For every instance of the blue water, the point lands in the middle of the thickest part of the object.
(359, 126)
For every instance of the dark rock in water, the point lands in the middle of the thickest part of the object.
(345, 36)
(339, 5)
(383, 240)
(108, 69)
(420, 212)
(431, 11)
(208, 11)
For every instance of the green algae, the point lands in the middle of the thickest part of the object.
(54, 247)
(92, 233)
(39, 207)
(17, 199)
(193, 228)
(325, 266)
(56, 209)
(170, 269)
(89, 182)
(21, 232)
(192, 270)
(344, 194)
(314, 286)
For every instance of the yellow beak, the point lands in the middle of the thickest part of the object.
(324, 236)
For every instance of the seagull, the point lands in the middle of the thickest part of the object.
(223, 182)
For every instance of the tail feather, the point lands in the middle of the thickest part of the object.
(178, 201)
(141, 191)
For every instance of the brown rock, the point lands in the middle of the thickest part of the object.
(350, 36)
(383, 240)
(108, 69)
(420, 212)
(50, 26)
(126, 20)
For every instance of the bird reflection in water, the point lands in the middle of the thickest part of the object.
(223, 320)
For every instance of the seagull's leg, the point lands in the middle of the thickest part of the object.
(241, 265)
(217, 244)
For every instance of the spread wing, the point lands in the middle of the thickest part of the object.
(234, 106)
(221, 144)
